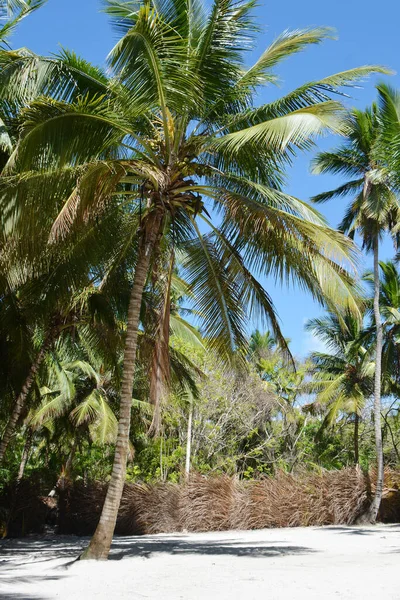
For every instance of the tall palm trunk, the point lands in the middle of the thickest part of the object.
(356, 445)
(21, 399)
(160, 370)
(100, 543)
(373, 510)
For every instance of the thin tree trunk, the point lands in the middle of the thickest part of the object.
(25, 455)
(100, 543)
(189, 441)
(21, 399)
(356, 446)
(374, 508)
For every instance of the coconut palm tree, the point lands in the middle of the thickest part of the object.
(75, 401)
(374, 210)
(342, 378)
(176, 127)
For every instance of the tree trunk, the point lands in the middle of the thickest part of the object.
(373, 509)
(100, 543)
(160, 369)
(189, 441)
(21, 399)
(25, 455)
(356, 448)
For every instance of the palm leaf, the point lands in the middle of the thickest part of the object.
(294, 129)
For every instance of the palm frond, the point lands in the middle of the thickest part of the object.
(286, 44)
(295, 129)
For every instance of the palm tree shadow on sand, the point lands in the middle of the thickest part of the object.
(16, 553)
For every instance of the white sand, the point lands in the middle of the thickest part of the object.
(313, 563)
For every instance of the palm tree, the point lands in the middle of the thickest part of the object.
(261, 344)
(374, 210)
(343, 378)
(174, 126)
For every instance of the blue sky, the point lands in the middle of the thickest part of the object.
(366, 35)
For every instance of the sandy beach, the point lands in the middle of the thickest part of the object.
(276, 564)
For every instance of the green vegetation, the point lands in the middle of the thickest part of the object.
(141, 207)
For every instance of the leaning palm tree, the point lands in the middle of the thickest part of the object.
(374, 210)
(173, 129)
(342, 377)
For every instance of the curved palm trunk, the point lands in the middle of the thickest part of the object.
(100, 543)
(373, 510)
(21, 399)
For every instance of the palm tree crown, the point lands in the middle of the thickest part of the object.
(363, 158)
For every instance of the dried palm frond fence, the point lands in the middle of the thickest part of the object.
(221, 502)
(201, 504)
